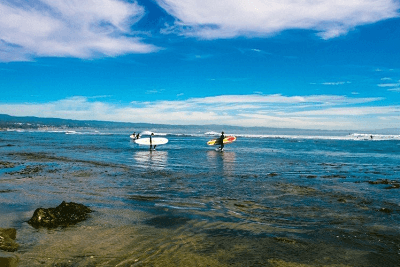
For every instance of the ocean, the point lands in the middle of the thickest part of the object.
(269, 199)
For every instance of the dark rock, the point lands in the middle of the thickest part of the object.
(385, 210)
(166, 221)
(334, 176)
(8, 260)
(385, 181)
(7, 237)
(11, 232)
(393, 186)
(4, 164)
(285, 240)
(63, 215)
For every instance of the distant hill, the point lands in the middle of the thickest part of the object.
(7, 121)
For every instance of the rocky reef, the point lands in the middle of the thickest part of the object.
(63, 215)
(7, 237)
(7, 243)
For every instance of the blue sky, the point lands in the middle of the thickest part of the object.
(292, 64)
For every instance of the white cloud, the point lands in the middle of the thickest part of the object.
(350, 111)
(318, 111)
(74, 28)
(335, 83)
(389, 84)
(212, 19)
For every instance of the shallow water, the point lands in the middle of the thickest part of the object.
(264, 201)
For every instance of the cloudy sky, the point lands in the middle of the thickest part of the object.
(323, 64)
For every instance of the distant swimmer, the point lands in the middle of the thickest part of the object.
(371, 137)
(221, 141)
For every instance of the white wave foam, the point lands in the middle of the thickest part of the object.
(358, 136)
(212, 133)
(87, 133)
(354, 136)
(155, 133)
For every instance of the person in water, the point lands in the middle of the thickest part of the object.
(134, 134)
(151, 142)
(221, 141)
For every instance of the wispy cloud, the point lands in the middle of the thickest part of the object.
(389, 84)
(154, 91)
(316, 111)
(332, 83)
(74, 28)
(211, 19)
(350, 111)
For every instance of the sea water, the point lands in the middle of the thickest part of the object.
(266, 200)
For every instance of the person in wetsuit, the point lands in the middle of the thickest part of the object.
(221, 141)
(151, 141)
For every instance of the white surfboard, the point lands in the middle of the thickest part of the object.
(155, 141)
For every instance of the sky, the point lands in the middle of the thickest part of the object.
(323, 64)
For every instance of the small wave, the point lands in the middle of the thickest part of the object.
(146, 133)
(354, 137)
(15, 130)
(358, 136)
(153, 132)
(212, 133)
(87, 133)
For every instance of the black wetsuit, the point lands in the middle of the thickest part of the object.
(151, 142)
(221, 141)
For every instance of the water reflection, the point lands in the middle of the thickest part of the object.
(151, 159)
(225, 161)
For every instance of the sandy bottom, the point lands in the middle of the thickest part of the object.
(134, 238)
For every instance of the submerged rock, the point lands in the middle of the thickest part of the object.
(8, 260)
(7, 237)
(63, 215)
(392, 184)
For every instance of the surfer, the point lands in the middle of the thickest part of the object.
(221, 141)
(151, 142)
(138, 136)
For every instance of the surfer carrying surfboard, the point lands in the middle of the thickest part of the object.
(221, 141)
(151, 141)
